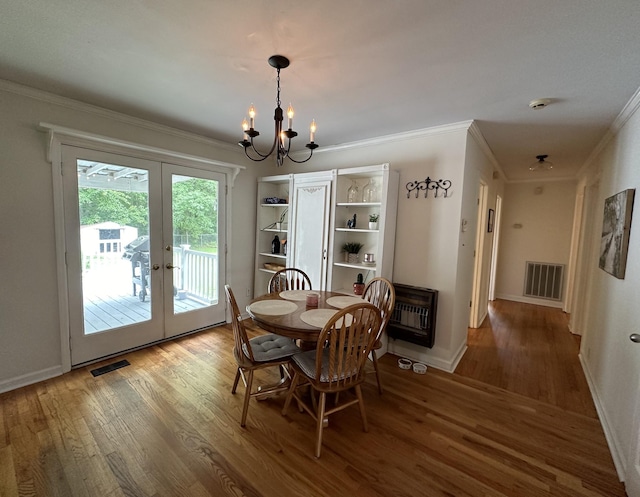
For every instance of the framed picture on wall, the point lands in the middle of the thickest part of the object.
(490, 218)
(616, 225)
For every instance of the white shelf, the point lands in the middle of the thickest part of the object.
(359, 204)
(266, 270)
(358, 265)
(269, 254)
(357, 230)
(273, 230)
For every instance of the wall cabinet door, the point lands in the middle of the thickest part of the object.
(309, 234)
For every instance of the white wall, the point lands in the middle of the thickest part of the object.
(430, 250)
(545, 236)
(611, 311)
(29, 322)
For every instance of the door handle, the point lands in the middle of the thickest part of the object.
(171, 266)
(634, 337)
(155, 267)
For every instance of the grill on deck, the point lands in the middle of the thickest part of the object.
(414, 316)
(138, 253)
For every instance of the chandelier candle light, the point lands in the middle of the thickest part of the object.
(282, 152)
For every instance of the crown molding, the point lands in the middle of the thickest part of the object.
(625, 114)
(69, 103)
(407, 135)
(545, 180)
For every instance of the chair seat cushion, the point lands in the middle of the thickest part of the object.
(306, 361)
(271, 347)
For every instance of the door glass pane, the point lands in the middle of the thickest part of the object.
(114, 239)
(195, 243)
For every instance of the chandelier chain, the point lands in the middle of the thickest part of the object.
(278, 93)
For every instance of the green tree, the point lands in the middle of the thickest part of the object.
(99, 205)
(195, 208)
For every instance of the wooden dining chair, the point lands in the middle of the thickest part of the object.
(289, 279)
(381, 293)
(336, 365)
(263, 351)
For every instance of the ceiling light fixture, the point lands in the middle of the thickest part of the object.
(541, 164)
(282, 152)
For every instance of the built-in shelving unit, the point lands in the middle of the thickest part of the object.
(320, 254)
(377, 241)
(272, 219)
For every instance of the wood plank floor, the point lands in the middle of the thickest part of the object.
(167, 425)
(527, 349)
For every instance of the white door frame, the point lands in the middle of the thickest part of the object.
(60, 135)
(481, 231)
(495, 249)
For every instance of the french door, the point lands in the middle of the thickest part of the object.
(144, 250)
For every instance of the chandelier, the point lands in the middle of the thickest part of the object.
(541, 164)
(281, 135)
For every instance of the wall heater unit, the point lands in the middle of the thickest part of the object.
(414, 315)
(543, 280)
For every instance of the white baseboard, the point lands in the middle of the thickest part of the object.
(30, 379)
(405, 349)
(619, 461)
(531, 300)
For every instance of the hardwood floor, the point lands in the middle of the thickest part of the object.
(527, 349)
(167, 425)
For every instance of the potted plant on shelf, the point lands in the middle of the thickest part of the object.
(352, 249)
(358, 286)
(373, 221)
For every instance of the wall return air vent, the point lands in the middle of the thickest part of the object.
(543, 280)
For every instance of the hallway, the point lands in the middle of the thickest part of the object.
(528, 349)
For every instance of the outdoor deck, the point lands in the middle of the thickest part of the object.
(109, 301)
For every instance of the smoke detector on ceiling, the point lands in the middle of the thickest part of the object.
(539, 103)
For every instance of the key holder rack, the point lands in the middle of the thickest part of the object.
(437, 186)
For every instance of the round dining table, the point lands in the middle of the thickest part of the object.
(286, 313)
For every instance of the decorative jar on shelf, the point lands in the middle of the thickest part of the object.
(358, 286)
(275, 245)
(353, 194)
(370, 192)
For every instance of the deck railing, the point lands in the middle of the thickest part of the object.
(198, 273)
(196, 277)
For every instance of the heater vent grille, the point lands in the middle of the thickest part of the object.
(544, 280)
